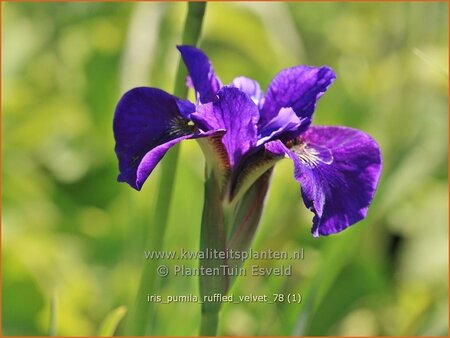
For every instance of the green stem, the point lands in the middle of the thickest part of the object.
(212, 240)
(141, 314)
(243, 219)
(208, 325)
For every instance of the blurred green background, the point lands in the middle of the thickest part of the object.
(70, 230)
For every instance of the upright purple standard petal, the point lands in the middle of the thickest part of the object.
(249, 87)
(202, 75)
(235, 112)
(147, 119)
(297, 87)
(338, 169)
(285, 124)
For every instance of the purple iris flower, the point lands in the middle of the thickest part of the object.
(338, 167)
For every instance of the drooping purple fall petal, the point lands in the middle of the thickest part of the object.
(201, 73)
(145, 119)
(297, 87)
(235, 112)
(148, 162)
(338, 169)
(152, 157)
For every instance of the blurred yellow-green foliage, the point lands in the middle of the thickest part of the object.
(70, 230)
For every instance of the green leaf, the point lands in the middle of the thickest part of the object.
(112, 320)
(52, 327)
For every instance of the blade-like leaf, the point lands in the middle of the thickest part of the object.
(112, 320)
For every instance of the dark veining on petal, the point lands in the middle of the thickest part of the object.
(176, 127)
(179, 126)
(311, 155)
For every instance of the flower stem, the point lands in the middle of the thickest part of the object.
(208, 325)
(139, 321)
(218, 217)
(212, 239)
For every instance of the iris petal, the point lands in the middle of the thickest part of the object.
(249, 87)
(201, 73)
(297, 87)
(152, 158)
(338, 169)
(235, 112)
(145, 119)
(149, 162)
(285, 124)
